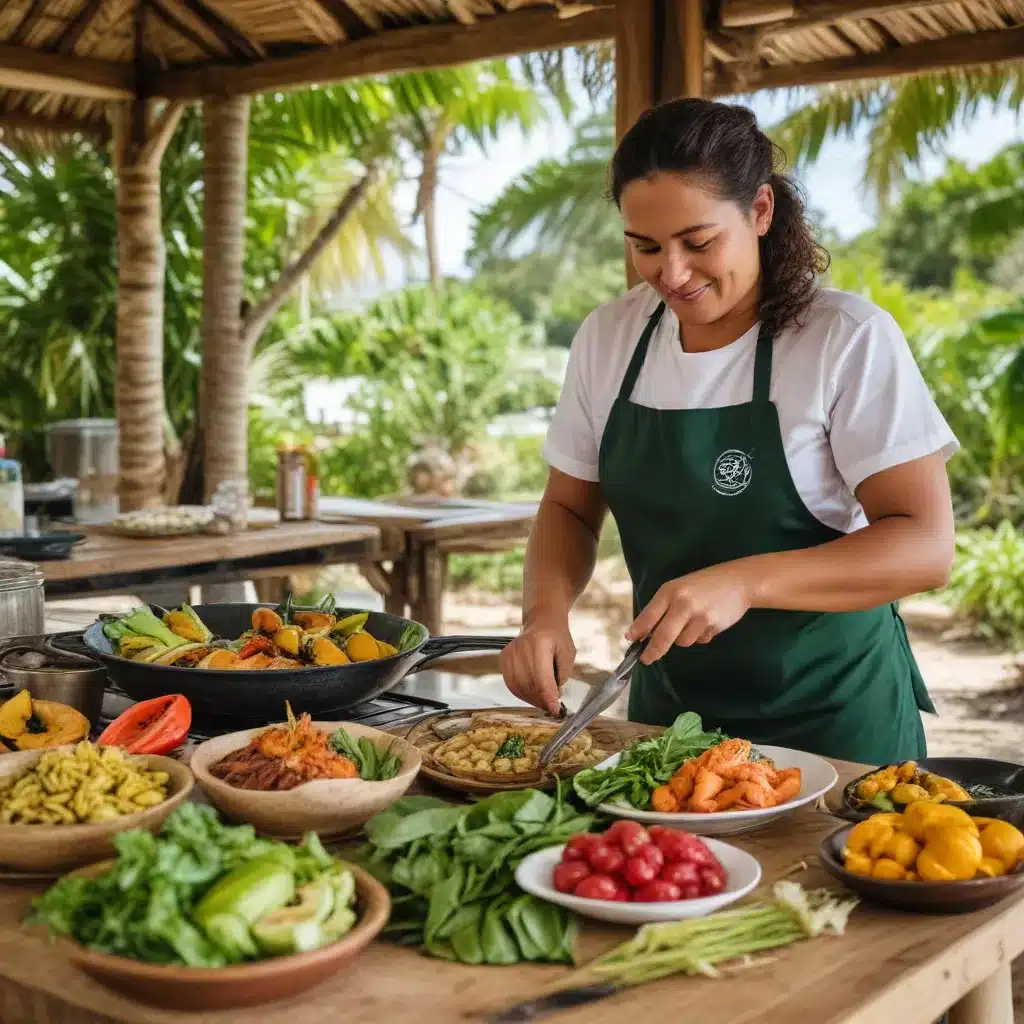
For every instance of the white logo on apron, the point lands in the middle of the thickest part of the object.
(732, 472)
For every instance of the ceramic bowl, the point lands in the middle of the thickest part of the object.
(331, 807)
(923, 897)
(817, 778)
(968, 771)
(743, 873)
(251, 984)
(55, 848)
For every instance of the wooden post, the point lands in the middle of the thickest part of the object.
(659, 55)
(991, 1002)
(224, 386)
(139, 143)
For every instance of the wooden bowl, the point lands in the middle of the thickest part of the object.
(249, 984)
(923, 897)
(607, 734)
(331, 807)
(56, 848)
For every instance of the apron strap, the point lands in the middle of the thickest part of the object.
(763, 367)
(640, 353)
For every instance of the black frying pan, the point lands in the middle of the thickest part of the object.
(261, 694)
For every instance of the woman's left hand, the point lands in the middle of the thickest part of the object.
(692, 609)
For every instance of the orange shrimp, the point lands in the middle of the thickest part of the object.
(746, 795)
(681, 783)
(705, 788)
(663, 799)
(750, 771)
(788, 784)
(728, 752)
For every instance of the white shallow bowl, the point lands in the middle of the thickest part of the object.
(742, 874)
(817, 778)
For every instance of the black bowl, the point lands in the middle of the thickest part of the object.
(967, 771)
(923, 897)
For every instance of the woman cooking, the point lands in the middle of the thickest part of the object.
(770, 454)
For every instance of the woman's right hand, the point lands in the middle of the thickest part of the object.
(538, 662)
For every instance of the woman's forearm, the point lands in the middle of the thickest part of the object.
(892, 558)
(560, 558)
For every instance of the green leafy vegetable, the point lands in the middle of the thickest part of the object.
(410, 638)
(647, 764)
(450, 870)
(144, 906)
(373, 765)
(512, 748)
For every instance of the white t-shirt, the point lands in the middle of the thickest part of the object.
(851, 400)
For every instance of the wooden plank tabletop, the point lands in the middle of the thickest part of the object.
(104, 552)
(889, 967)
(428, 518)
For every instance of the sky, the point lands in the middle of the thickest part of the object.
(833, 184)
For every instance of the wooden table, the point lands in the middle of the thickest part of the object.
(427, 531)
(107, 563)
(889, 968)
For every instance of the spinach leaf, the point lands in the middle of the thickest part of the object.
(391, 835)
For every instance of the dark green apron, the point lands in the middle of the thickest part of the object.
(692, 488)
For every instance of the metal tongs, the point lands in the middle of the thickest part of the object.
(601, 697)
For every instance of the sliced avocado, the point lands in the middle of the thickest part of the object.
(230, 934)
(344, 916)
(297, 928)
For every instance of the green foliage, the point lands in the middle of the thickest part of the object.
(987, 582)
(904, 117)
(501, 572)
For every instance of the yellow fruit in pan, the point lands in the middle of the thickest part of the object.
(318, 650)
(289, 639)
(266, 621)
(1001, 841)
(362, 647)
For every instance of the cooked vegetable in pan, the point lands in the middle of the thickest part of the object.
(898, 785)
(279, 639)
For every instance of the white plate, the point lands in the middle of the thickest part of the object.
(817, 778)
(742, 874)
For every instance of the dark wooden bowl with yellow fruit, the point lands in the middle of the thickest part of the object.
(982, 786)
(930, 857)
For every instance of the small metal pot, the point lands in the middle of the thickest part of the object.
(21, 598)
(79, 687)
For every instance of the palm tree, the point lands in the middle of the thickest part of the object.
(475, 103)
(555, 203)
(904, 117)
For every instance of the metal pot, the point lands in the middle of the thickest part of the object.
(21, 599)
(80, 686)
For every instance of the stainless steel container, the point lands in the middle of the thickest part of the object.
(81, 688)
(21, 598)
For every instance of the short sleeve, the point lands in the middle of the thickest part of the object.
(881, 413)
(572, 445)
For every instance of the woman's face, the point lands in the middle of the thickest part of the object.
(699, 252)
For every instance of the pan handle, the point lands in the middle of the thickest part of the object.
(441, 646)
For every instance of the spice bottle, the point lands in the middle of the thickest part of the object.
(291, 484)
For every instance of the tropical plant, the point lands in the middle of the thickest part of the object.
(904, 117)
(476, 103)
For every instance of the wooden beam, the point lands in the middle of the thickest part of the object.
(990, 47)
(755, 12)
(76, 27)
(28, 19)
(691, 23)
(37, 71)
(175, 24)
(407, 49)
(348, 20)
(22, 120)
(230, 36)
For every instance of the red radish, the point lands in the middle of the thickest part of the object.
(631, 836)
(673, 845)
(691, 891)
(607, 860)
(576, 848)
(569, 874)
(597, 887)
(639, 872)
(657, 892)
(652, 855)
(681, 873)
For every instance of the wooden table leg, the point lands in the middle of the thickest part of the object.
(991, 1002)
(433, 576)
(397, 598)
(271, 589)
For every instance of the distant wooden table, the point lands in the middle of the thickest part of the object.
(107, 563)
(889, 968)
(427, 531)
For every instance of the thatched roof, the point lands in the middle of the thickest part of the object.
(61, 60)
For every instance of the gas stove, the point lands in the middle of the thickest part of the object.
(385, 711)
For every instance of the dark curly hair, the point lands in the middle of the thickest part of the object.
(723, 144)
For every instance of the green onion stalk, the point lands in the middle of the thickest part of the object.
(697, 945)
